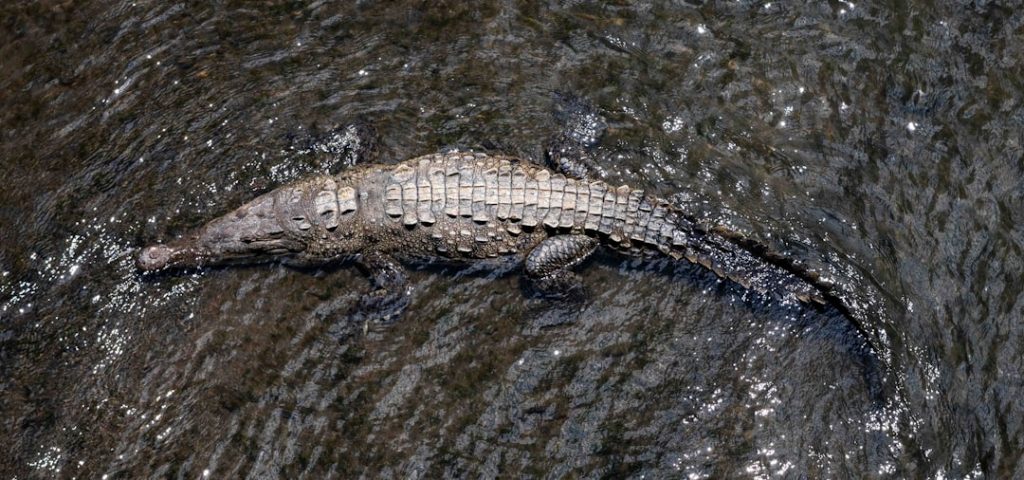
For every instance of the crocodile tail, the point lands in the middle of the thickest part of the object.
(789, 264)
(753, 265)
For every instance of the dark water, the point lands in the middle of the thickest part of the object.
(881, 144)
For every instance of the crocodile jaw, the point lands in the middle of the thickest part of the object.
(190, 253)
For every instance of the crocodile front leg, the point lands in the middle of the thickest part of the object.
(341, 147)
(549, 263)
(387, 297)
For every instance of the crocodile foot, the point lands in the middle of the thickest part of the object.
(566, 286)
(341, 147)
(381, 305)
(388, 298)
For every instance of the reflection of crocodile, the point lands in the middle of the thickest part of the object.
(474, 206)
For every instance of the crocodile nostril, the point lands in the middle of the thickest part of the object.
(154, 257)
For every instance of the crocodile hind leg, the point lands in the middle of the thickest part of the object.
(387, 298)
(549, 264)
(571, 159)
(571, 152)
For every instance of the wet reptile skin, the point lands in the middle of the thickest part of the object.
(471, 206)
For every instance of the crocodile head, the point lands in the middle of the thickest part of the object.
(292, 223)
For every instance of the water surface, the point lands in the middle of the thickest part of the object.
(880, 144)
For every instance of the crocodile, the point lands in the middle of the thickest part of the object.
(470, 205)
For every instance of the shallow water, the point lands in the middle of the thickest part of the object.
(881, 144)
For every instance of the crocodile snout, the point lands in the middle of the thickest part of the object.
(154, 257)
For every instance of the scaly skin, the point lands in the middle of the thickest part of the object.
(473, 206)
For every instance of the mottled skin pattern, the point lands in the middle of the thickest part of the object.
(467, 206)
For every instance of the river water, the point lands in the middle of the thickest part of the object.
(881, 144)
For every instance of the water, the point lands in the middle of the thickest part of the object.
(879, 143)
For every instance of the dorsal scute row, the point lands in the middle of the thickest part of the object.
(317, 202)
(503, 190)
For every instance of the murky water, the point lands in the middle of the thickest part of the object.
(881, 144)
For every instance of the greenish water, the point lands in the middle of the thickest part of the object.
(881, 144)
